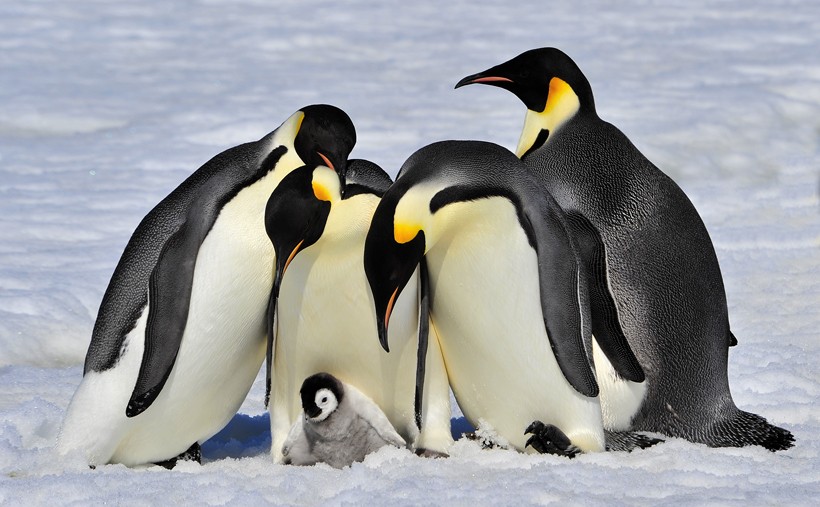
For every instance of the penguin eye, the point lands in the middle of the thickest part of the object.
(324, 399)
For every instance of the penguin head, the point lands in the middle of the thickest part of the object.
(326, 137)
(550, 85)
(297, 212)
(415, 213)
(321, 395)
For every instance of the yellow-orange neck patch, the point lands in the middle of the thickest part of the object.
(404, 232)
(562, 104)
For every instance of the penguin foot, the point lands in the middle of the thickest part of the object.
(429, 453)
(628, 441)
(485, 442)
(548, 439)
(194, 453)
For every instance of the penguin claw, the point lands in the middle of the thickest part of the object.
(548, 439)
(429, 453)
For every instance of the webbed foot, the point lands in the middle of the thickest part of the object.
(194, 453)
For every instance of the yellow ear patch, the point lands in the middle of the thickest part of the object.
(404, 232)
(325, 183)
(320, 191)
(562, 104)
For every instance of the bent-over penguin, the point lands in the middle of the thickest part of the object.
(507, 299)
(659, 261)
(321, 316)
(338, 425)
(180, 333)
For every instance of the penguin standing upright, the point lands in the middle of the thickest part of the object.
(338, 425)
(321, 315)
(653, 247)
(508, 305)
(180, 333)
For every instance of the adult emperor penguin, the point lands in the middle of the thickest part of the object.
(180, 333)
(508, 302)
(338, 425)
(321, 317)
(658, 257)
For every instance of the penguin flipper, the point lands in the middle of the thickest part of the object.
(370, 412)
(271, 317)
(424, 335)
(563, 312)
(169, 296)
(606, 326)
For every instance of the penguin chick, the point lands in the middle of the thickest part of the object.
(339, 425)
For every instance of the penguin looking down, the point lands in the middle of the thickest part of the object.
(338, 425)
(180, 333)
(320, 316)
(509, 302)
(653, 252)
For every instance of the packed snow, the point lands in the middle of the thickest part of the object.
(106, 106)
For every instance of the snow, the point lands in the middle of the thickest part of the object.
(106, 106)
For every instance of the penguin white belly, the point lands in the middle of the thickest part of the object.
(222, 349)
(326, 323)
(487, 311)
(620, 399)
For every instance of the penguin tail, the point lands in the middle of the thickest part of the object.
(745, 429)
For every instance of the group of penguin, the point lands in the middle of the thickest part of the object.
(568, 294)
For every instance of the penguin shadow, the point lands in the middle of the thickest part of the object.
(460, 427)
(245, 436)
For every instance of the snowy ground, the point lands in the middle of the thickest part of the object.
(106, 106)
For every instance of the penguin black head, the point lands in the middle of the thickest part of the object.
(326, 137)
(549, 83)
(297, 211)
(391, 255)
(321, 394)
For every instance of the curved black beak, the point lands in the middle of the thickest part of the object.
(485, 77)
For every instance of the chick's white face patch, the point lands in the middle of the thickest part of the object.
(327, 403)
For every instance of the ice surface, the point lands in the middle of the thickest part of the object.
(107, 106)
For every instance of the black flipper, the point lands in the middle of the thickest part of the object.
(424, 335)
(549, 439)
(169, 297)
(561, 305)
(605, 324)
(271, 318)
(732, 339)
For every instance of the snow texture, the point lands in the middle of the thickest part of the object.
(106, 106)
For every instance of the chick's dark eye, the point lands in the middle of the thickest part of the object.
(324, 400)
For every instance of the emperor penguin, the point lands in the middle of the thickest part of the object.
(321, 314)
(338, 425)
(507, 299)
(658, 260)
(180, 333)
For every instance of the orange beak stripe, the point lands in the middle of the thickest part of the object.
(292, 255)
(326, 160)
(492, 79)
(390, 307)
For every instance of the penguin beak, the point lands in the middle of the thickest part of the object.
(313, 412)
(483, 79)
(340, 168)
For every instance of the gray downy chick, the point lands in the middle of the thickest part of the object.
(338, 425)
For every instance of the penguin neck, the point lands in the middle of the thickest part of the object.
(539, 126)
